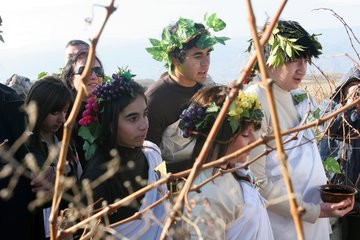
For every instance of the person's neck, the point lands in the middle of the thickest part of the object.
(48, 136)
(178, 77)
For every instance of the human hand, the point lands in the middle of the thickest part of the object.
(44, 181)
(336, 209)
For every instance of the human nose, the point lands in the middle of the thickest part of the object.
(144, 124)
(62, 117)
(252, 137)
(302, 66)
(92, 74)
(205, 61)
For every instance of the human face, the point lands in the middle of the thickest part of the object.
(289, 75)
(71, 50)
(53, 122)
(194, 68)
(351, 88)
(243, 139)
(133, 124)
(92, 80)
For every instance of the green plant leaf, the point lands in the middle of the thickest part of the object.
(234, 124)
(222, 39)
(300, 97)
(289, 51)
(89, 149)
(42, 74)
(154, 42)
(205, 41)
(212, 108)
(155, 52)
(316, 114)
(90, 133)
(165, 35)
(210, 22)
(331, 165)
(257, 115)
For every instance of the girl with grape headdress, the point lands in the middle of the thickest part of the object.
(227, 207)
(116, 122)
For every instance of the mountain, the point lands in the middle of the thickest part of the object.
(226, 61)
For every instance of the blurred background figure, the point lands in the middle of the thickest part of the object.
(342, 142)
(73, 47)
(20, 84)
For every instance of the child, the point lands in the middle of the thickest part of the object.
(227, 207)
(120, 112)
(52, 99)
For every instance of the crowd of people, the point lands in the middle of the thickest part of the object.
(125, 133)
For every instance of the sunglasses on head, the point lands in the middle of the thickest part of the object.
(99, 72)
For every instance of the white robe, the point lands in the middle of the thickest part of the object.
(150, 226)
(305, 167)
(226, 209)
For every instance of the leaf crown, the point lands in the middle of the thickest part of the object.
(187, 30)
(246, 107)
(288, 42)
(119, 84)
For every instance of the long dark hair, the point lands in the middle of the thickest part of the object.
(68, 71)
(109, 118)
(50, 95)
(225, 136)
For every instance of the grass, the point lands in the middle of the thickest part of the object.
(319, 86)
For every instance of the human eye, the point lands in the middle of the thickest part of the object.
(55, 113)
(245, 134)
(132, 119)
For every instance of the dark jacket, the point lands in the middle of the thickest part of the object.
(16, 221)
(342, 141)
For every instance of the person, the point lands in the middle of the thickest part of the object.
(71, 76)
(14, 210)
(120, 111)
(73, 47)
(228, 207)
(286, 65)
(185, 47)
(341, 143)
(52, 99)
(20, 84)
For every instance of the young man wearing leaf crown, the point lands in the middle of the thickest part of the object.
(185, 47)
(287, 53)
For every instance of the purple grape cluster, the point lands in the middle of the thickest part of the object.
(189, 118)
(115, 88)
(89, 115)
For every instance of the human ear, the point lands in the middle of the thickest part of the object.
(175, 61)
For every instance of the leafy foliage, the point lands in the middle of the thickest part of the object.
(331, 165)
(283, 41)
(186, 31)
(299, 98)
(245, 106)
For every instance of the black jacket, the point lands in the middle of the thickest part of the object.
(16, 221)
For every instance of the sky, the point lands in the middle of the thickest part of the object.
(36, 31)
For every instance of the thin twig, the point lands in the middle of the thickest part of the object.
(68, 126)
